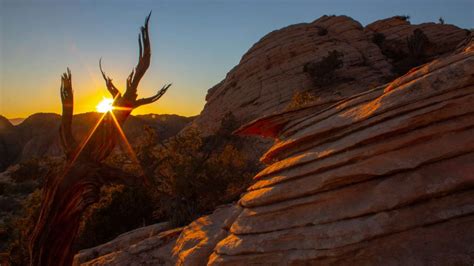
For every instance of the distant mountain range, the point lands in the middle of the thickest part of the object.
(37, 135)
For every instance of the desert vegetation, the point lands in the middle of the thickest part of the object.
(378, 38)
(131, 205)
(196, 174)
(191, 174)
(404, 60)
(301, 99)
(417, 44)
(323, 72)
(20, 204)
(404, 17)
(19, 228)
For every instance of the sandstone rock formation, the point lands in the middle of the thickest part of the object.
(152, 245)
(384, 177)
(271, 71)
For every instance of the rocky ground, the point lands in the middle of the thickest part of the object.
(383, 175)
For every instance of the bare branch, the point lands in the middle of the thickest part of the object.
(67, 98)
(143, 62)
(108, 82)
(154, 98)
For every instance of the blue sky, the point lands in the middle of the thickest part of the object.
(194, 44)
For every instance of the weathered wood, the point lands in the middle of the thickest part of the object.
(67, 195)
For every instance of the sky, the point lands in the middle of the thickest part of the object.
(194, 44)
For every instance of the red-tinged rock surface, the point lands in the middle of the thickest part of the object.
(383, 177)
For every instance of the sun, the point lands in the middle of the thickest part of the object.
(105, 105)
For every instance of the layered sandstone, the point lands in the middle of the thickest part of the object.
(386, 176)
(271, 72)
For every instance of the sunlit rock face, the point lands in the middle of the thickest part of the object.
(152, 245)
(272, 70)
(384, 177)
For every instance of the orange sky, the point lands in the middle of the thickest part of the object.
(89, 90)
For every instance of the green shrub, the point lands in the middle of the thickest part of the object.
(404, 17)
(3, 188)
(417, 44)
(35, 169)
(20, 227)
(119, 210)
(301, 99)
(9, 204)
(194, 174)
(322, 31)
(23, 188)
(322, 72)
(378, 38)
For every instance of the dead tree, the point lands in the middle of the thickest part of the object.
(66, 196)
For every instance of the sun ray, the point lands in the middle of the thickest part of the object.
(86, 140)
(128, 146)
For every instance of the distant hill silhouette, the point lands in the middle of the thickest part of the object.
(9, 143)
(37, 135)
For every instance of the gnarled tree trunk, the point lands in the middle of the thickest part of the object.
(67, 195)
